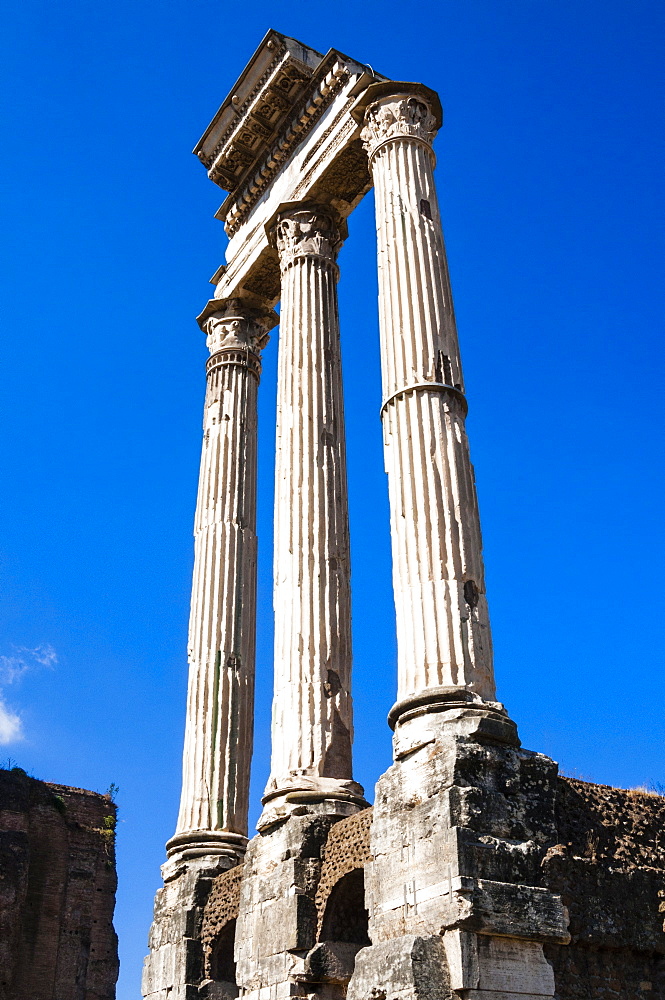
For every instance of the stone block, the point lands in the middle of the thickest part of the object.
(519, 911)
(176, 959)
(481, 963)
(404, 968)
(331, 961)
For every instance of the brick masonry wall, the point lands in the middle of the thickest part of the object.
(57, 891)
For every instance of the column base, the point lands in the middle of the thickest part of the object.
(422, 717)
(212, 845)
(461, 823)
(309, 795)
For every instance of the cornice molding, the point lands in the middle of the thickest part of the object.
(236, 209)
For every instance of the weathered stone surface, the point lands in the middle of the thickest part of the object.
(443, 634)
(220, 699)
(309, 152)
(346, 851)
(331, 962)
(277, 919)
(404, 968)
(175, 965)
(218, 922)
(615, 973)
(477, 865)
(312, 726)
(57, 891)
(609, 868)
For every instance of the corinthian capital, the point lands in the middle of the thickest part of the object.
(307, 231)
(230, 324)
(402, 116)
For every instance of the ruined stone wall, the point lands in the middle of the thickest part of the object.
(57, 891)
(609, 868)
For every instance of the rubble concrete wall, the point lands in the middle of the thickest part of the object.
(609, 869)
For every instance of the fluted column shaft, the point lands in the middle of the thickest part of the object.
(220, 699)
(312, 712)
(443, 632)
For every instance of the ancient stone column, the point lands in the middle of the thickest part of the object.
(312, 712)
(443, 631)
(220, 700)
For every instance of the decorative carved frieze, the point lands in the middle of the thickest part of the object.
(206, 158)
(251, 117)
(401, 116)
(302, 122)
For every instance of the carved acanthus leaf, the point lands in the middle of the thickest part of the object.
(233, 332)
(400, 117)
(307, 232)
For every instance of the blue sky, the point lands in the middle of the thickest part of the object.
(549, 176)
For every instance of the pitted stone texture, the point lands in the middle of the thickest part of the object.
(609, 868)
(606, 973)
(220, 909)
(345, 850)
(623, 827)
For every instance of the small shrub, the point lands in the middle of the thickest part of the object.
(59, 804)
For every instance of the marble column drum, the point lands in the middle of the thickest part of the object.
(220, 701)
(443, 631)
(312, 722)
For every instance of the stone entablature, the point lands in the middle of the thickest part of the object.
(249, 120)
(309, 152)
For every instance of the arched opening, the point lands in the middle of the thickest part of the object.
(222, 964)
(345, 918)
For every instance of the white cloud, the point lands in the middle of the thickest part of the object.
(23, 659)
(45, 655)
(12, 669)
(11, 727)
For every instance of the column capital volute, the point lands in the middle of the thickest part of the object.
(306, 229)
(236, 324)
(397, 110)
